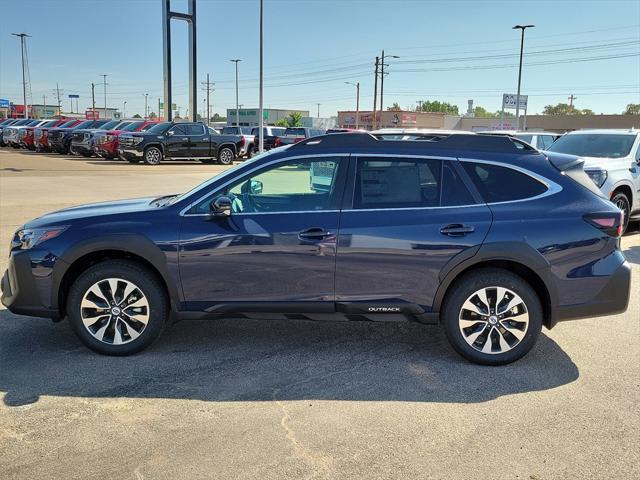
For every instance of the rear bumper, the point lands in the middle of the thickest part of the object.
(612, 299)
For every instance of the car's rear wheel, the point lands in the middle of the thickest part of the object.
(226, 156)
(492, 317)
(621, 201)
(152, 156)
(117, 307)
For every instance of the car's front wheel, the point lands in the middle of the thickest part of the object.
(152, 156)
(492, 317)
(117, 307)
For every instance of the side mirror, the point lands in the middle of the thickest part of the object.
(252, 187)
(170, 132)
(220, 207)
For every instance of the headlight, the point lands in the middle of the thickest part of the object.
(137, 140)
(598, 176)
(30, 237)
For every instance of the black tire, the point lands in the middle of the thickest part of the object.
(226, 156)
(621, 201)
(147, 283)
(153, 156)
(475, 281)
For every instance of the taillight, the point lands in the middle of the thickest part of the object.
(611, 223)
(277, 142)
(242, 141)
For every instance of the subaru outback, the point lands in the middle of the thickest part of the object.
(484, 235)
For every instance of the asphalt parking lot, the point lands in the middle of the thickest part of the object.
(273, 399)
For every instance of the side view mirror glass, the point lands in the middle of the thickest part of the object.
(220, 207)
(252, 187)
(170, 132)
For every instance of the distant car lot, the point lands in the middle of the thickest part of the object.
(276, 399)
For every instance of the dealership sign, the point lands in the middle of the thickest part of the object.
(4, 103)
(509, 100)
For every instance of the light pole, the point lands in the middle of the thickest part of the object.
(522, 28)
(104, 76)
(23, 37)
(146, 109)
(357, 85)
(382, 74)
(261, 105)
(236, 60)
(124, 109)
(318, 109)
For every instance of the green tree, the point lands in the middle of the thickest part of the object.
(587, 111)
(561, 109)
(438, 107)
(152, 116)
(394, 108)
(283, 122)
(295, 119)
(137, 115)
(219, 118)
(632, 109)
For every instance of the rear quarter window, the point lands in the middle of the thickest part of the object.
(502, 184)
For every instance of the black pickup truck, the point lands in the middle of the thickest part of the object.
(179, 141)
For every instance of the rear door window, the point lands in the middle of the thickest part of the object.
(502, 184)
(194, 129)
(454, 191)
(397, 183)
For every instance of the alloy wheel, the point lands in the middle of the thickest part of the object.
(226, 156)
(153, 156)
(493, 320)
(114, 311)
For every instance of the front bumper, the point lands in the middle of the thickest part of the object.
(25, 294)
(82, 147)
(613, 298)
(106, 149)
(130, 153)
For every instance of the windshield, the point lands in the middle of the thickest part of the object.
(50, 123)
(160, 127)
(85, 124)
(110, 125)
(601, 145)
(67, 124)
(229, 130)
(229, 171)
(132, 127)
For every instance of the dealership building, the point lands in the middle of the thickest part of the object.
(250, 117)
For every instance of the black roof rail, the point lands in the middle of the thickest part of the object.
(489, 143)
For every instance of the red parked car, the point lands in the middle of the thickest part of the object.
(26, 136)
(40, 134)
(105, 144)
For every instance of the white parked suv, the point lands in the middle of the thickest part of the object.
(612, 161)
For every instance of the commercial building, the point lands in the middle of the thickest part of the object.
(552, 123)
(250, 117)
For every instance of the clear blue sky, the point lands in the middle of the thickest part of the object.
(313, 46)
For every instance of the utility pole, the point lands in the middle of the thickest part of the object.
(159, 109)
(93, 97)
(104, 76)
(236, 60)
(522, 28)
(420, 105)
(58, 93)
(146, 108)
(124, 109)
(23, 37)
(571, 99)
(318, 109)
(44, 103)
(382, 74)
(208, 87)
(375, 94)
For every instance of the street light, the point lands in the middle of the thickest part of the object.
(522, 28)
(236, 60)
(124, 109)
(357, 85)
(382, 81)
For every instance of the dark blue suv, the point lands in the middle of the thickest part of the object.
(483, 234)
